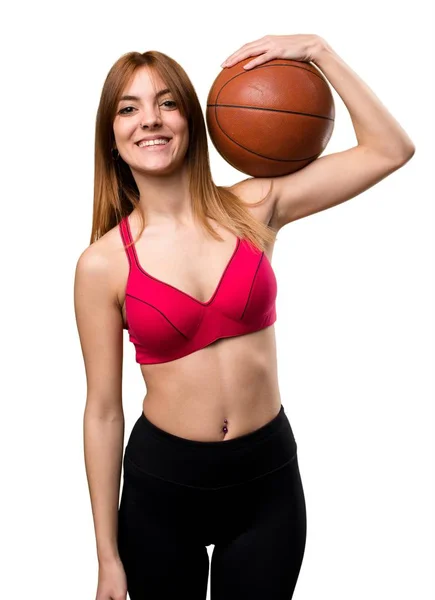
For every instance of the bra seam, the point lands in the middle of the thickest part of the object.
(159, 311)
(252, 285)
(125, 241)
(124, 237)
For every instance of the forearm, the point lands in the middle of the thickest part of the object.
(374, 126)
(103, 447)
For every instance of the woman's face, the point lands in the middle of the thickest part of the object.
(152, 113)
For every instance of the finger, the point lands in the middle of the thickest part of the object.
(260, 60)
(254, 63)
(248, 46)
(245, 48)
(241, 54)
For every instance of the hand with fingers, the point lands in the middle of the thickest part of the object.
(300, 47)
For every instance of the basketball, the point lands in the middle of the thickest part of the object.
(272, 119)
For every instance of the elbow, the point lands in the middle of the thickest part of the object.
(410, 153)
(404, 156)
(104, 408)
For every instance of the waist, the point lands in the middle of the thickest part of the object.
(209, 464)
(213, 416)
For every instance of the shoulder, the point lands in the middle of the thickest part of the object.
(97, 265)
(252, 190)
(252, 187)
(96, 257)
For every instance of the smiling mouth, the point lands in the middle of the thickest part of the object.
(153, 143)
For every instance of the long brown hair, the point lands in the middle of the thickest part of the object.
(115, 190)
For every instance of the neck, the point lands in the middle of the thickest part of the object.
(165, 200)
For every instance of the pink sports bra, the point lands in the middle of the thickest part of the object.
(165, 323)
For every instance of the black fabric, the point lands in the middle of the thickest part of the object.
(243, 495)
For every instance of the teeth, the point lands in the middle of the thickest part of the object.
(152, 142)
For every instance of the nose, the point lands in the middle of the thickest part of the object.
(151, 118)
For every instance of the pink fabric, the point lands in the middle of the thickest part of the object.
(165, 323)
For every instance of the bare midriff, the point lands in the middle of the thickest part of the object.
(218, 393)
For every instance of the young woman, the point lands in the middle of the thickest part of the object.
(185, 266)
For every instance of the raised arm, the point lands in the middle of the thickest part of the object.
(99, 323)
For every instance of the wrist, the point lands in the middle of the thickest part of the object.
(321, 51)
(108, 557)
(108, 561)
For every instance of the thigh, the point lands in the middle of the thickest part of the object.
(262, 554)
(158, 547)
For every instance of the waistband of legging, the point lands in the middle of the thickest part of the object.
(214, 464)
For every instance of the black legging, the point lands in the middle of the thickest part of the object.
(243, 495)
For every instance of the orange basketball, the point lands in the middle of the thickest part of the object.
(270, 120)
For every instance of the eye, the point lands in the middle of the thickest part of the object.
(121, 112)
(171, 103)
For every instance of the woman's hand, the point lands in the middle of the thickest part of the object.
(112, 581)
(301, 47)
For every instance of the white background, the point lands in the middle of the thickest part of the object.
(355, 293)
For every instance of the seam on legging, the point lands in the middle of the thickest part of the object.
(197, 487)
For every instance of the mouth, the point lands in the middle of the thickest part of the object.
(153, 144)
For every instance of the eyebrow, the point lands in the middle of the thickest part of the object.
(137, 99)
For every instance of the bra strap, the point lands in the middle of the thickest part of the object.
(126, 239)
